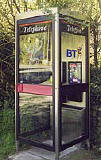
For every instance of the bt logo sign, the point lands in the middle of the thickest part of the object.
(71, 53)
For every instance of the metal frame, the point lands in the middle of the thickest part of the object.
(88, 81)
(17, 119)
(57, 88)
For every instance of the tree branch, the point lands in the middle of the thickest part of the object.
(11, 9)
(18, 9)
(25, 6)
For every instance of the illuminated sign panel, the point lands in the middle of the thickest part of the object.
(34, 27)
(71, 28)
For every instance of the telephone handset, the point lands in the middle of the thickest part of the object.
(64, 72)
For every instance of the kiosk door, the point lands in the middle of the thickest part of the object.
(35, 100)
(74, 61)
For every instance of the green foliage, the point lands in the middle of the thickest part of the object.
(55, 3)
(95, 102)
(8, 117)
(7, 134)
(6, 73)
(7, 140)
(95, 86)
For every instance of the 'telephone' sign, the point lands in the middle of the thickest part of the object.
(32, 28)
(71, 53)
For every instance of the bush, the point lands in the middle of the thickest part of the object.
(95, 104)
(6, 73)
(7, 140)
(95, 86)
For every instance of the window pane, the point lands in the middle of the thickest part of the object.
(35, 60)
(36, 117)
(72, 124)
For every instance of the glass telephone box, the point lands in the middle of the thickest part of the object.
(52, 80)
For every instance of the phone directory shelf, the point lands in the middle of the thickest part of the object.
(73, 92)
(73, 107)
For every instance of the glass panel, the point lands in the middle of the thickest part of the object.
(72, 51)
(73, 64)
(35, 72)
(73, 72)
(35, 56)
(36, 117)
(72, 124)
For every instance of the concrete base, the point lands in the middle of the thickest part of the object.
(51, 155)
(25, 156)
(40, 154)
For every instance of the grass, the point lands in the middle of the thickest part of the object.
(7, 135)
(83, 155)
(7, 145)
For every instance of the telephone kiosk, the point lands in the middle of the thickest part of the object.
(52, 80)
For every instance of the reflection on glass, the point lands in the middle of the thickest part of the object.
(35, 67)
(73, 72)
(36, 117)
(36, 58)
(72, 124)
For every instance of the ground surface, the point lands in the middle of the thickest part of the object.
(35, 154)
